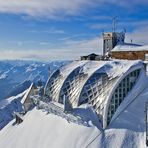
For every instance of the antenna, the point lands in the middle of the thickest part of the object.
(114, 23)
(124, 30)
(102, 32)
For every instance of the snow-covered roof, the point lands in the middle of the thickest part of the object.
(89, 67)
(80, 84)
(130, 47)
(112, 68)
(42, 130)
(61, 74)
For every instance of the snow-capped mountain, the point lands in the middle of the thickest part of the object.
(16, 76)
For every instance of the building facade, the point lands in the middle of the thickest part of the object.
(130, 52)
(111, 39)
(102, 84)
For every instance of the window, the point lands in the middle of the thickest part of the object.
(95, 94)
(121, 92)
(89, 92)
(116, 101)
(93, 86)
(71, 84)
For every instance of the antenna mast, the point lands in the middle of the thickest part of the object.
(114, 24)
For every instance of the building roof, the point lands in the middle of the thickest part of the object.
(81, 82)
(92, 54)
(130, 47)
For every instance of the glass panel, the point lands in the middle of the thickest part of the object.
(121, 92)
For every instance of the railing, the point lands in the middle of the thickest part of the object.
(52, 108)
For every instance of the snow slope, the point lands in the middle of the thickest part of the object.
(42, 130)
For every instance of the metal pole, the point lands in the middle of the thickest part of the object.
(146, 123)
(114, 24)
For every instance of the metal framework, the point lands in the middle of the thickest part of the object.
(93, 83)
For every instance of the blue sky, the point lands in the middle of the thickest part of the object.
(67, 29)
